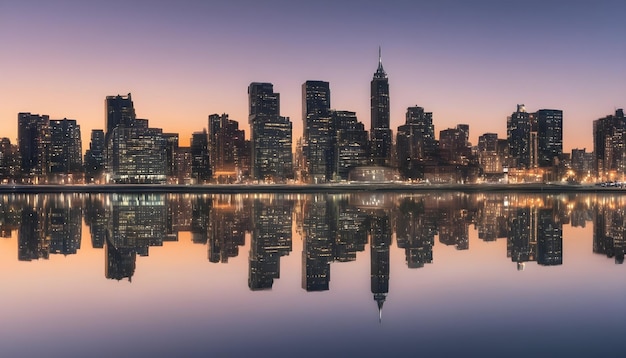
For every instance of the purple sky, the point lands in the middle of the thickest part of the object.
(466, 61)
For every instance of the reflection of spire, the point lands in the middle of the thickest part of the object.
(380, 300)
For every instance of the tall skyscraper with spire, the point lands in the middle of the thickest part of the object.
(380, 131)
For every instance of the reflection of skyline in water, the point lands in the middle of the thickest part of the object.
(333, 228)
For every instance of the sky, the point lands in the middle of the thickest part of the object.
(467, 62)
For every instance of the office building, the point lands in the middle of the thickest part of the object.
(415, 143)
(380, 133)
(350, 144)
(33, 136)
(226, 148)
(95, 158)
(200, 161)
(549, 136)
(65, 147)
(271, 137)
(318, 131)
(609, 146)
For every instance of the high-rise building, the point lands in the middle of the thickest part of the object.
(380, 134)
(171, 148)
(453, 144)
(271, 137)
(550, 136)
(490, 158)
(200, 161)
(226, 147)
(65, 147)
(415, 143)
(137, 155)
(95, 159)
(518, 132)
(119, 111)
(33, 136)
(318, 131)
(8, 160)
(582, 163)
(350, 143)
(609, 145)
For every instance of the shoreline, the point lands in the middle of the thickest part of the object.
(304, 188)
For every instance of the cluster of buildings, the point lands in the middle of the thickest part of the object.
(334, 146)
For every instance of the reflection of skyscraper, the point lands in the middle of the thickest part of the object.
(200, 209)
(453, 229)
(96, 217)
(608, 231)
(380, 117)
(32, 243)
(120, 262)
(226, 231)
(64, 225)
(271, 239)
(415, 233)
(549, 239)
(318, 239)
(380, 233)
(522, 240)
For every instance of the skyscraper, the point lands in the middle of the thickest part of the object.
(416, 142)
(518, 132)
(119, 112)
(33, 136)
(200, 161)
(380, 131)
(350, 143)
(271, 135)
(226, 146)
(95, 159)
(65, 147)
(550, 136)
(609, 145)
(317, 131)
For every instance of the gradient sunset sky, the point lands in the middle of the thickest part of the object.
(466, 61)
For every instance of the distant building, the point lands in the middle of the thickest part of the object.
(453, 145)
(65, 147)
(318, 132)
(490, 156)
(415, 143)
(271, 157)
(33, 136)
(171, 147)
(119, 111)
(609, 146)
(95, 158)
(226, 147)
(518, 131)
(350, 143)
(550, 136)
(380, 133)
(200, 161)
(137, 155)
(9, 162)
(582, 163)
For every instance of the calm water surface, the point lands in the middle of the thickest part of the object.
(358, 274)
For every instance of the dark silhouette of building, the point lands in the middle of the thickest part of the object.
(95, 158)
(318, 239)
(454, 146)
(271, 156)
(200, 161)
(518, 132)
(380, 133)
(171, 148)
(318, 131)
(33, 136)
(65, 147)
(270, 239)
(549, 238)
(415, 142)
(549, 136)
(227, 148)
(9, 160)
(350, 143)
(119, 112)
(609, 145)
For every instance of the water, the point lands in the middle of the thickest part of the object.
(358, 274)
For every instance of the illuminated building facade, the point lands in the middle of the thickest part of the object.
(272, 159)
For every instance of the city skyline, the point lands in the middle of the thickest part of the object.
(471, 64)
